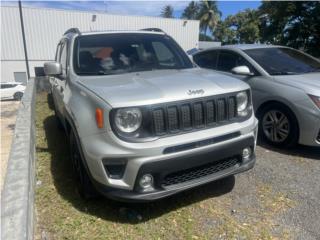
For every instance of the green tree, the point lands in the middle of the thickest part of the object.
(209, 15)
(295, 24)
(203, 37)
(242, 27)
(191, 11)
(167, 12)
(246, 24)
(224, 34)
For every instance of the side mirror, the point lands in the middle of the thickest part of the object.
(242, 70)
(52, 68)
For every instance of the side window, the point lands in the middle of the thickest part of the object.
(229, 60)
(3, 86)
(206, 59)
(63, 58)
(163, 54)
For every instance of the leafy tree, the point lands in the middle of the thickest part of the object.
(191, 11)
(295, 24)
(209, 15)
(224, 34)
(247, 26)
(203, 37)
(242, 27)
(167, 12)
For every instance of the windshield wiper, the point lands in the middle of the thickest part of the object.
(92, 73)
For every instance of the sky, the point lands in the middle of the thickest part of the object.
(130, 7)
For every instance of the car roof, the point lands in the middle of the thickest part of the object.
(250, 46)
(122, 31)
(243, 47)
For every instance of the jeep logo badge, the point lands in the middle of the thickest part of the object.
(196, 92)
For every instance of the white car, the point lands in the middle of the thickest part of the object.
(12, 90)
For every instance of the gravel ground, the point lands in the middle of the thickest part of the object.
(8, 119)
(294, 174)
(277, 199)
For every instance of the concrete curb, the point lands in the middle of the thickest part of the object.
(17, 200)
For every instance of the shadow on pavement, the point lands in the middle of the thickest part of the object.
(299, 150)
(116, 211)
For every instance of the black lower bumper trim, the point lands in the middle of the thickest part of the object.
(161, 169)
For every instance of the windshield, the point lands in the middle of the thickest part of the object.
(283, 61)
(106, 54)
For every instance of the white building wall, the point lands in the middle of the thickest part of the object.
(206, 45)
(45, 27)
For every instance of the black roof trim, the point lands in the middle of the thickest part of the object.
(152, 30)
(72, 30)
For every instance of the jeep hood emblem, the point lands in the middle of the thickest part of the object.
(196, 92)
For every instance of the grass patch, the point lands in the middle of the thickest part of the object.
(203, 213)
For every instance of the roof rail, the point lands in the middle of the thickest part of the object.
(72, 30)
(152, 30)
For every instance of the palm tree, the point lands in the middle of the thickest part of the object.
(209, 15)
(191, 11)
(167, 12)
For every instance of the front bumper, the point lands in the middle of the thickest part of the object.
(309, 124)
(310, 132)
(210, 162)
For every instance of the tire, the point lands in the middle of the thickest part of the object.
(50, 101)
(58, 121)
(18, 96)
(84, 185)
(56, 115)
(278, 125)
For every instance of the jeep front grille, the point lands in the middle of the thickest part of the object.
(201, 113)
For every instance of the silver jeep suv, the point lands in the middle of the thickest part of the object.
(142, 121)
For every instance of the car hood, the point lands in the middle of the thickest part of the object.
(158, 86)
(309, 82)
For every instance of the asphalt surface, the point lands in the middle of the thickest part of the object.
(295, 174)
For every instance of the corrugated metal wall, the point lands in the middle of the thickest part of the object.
(44, 28)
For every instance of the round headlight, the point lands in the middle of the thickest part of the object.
(242, 101)
(128, 120)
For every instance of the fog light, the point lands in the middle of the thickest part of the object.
(246, 153)
(146, 181)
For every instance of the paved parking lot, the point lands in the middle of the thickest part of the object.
(278, 199)
(8, 119)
